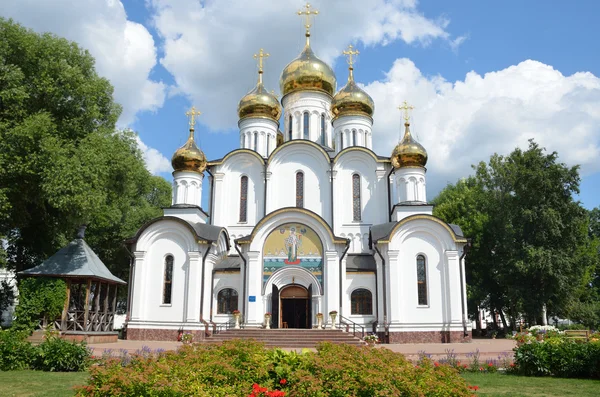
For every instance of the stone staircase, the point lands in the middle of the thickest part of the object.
(292, 338)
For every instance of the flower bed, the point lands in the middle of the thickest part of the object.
(243, 368)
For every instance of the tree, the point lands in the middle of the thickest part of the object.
(530, 243)
(62, 161)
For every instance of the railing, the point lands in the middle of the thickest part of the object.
(220, 327)
(349, 323)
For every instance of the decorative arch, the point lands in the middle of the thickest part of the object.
(291, 275)
(298, 142)
(360, 149)
(423, 217)
(235, 153)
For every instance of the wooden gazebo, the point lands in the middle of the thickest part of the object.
(90, 306)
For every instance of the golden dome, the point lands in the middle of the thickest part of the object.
(280, 138)
(409, 152)
(259, 103)
(307, 73)
(189, 157)
(352, 100)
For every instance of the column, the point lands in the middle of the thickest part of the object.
(452, 288)
(219, 197)
(193, 287)
(331, 282)
(394, 273)
(138, 297)
(254, 315)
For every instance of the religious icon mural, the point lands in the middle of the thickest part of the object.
(293, 244)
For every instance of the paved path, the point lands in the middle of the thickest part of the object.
(488, 348)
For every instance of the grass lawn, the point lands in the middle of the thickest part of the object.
(38, 383)
(498, 384)
(52, 384)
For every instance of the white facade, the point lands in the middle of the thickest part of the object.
(8, 277)
(319, 223)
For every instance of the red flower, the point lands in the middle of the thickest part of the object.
(436, 364)
(282, 382)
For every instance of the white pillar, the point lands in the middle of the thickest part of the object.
(254, 315)
(137, 300)
(193, 287)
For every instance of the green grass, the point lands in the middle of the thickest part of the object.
(53, 384)
(498, 384)
(38, 383)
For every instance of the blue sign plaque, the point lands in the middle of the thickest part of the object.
(251, 298)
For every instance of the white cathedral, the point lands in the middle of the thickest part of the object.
(304, 219)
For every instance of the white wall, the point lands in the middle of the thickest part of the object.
(357, 280)
(221, 281)
(265, 131)
(316, 104)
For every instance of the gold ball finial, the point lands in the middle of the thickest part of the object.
(189, 157)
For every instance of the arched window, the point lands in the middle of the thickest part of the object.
(244, 199)
(356, 197)
(305, 124)
(341, 140)
(323, 140)
(168, 280)
(256, 141)
(354, 141)
(361, 302)
(421, 280)
(299, 190)
(268, 142)
(227, 301)
(290, 128)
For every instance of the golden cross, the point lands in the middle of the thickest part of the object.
(192, 113)
(350, 52)
(260, 56)
(407, 108)
(307, 14)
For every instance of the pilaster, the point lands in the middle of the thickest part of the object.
(138, 303)
(193, 286)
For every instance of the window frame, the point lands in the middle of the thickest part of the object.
(168, 280)
(422, 285)
(356, 197)
(306, 125)
(243, 200)
(233, 300)
(323, 129)
(300, 189)
(357, 307)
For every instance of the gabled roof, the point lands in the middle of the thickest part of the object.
(76, 259)
(384, 231)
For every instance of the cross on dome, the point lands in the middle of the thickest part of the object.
(307, 14)
(260, 57)
(350, 52)
(191, 114)
(406, 108)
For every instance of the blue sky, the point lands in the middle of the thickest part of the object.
(484, 76)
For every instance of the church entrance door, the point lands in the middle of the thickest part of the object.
(295, 307)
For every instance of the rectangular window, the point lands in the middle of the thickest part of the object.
(300, 190)
(323, 140)
(244, 199)
(306, 125)
(356, 210)
(168, 280)
(421, 280)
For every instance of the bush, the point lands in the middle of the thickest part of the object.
(53, 354)
(58, 355)
(15, 351)
(558, 357)
(242, 368)
(39, 297)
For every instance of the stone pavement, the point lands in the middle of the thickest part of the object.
(488, 348)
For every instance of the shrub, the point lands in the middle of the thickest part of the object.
(58, 355)
(238, 368)
(15, 351)
(39, 297)
(558, 357)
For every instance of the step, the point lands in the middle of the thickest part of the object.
(287, 337)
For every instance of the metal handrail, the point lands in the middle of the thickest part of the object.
(346, 321)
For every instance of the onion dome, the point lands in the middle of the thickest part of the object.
(409, 152)
(307, 73)
(189, 157)
(351, 99)
(259, 102)
(280, 138)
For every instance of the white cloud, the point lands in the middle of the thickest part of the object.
(464, 122)
(124, 50)
(155, 161)
(208, 46)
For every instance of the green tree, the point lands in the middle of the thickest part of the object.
(530, 244)
(62, 160)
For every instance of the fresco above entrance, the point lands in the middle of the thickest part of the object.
(293, 244)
